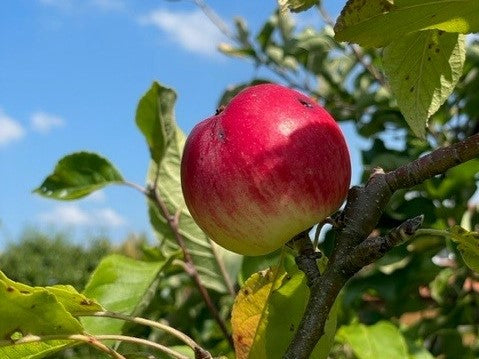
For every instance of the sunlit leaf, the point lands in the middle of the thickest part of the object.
(119, 284)
(296, 5)
(248, 309)
(32, 310)
(376, 23)
(381, 340)
(77, 175)
(423, 69)
(155, 119)
(276, 329)
(35, 350)
(468, 244)
(260, 327)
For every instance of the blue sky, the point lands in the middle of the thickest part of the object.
(71, 73)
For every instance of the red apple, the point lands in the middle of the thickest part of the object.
(270, 165)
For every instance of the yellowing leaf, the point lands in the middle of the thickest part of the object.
(32, 310)
(468, 244)
(376, 23)
(423, 69)
(248, 309)
(267, 312)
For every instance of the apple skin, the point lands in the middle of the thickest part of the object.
(270, 165)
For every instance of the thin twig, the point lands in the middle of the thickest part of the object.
(135, 186)
(151, 323)
(141, 341)
(87, 339)
(190, 268)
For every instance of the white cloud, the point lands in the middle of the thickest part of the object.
(74, 215)
(43, 122)
(193, 31)
(109, 217)
(97, 196)
(67, 214)
(10, 130)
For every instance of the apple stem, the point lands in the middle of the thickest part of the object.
(353, 249)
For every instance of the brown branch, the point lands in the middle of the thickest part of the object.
(360, 216)
(190, 268)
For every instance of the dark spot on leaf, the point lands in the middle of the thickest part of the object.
(440, 32)
(407, 77)
(411, 89)
(24, 292)
(305, 103)
(433, 16)
(429, 58)
(430, 45)
(10, 289)
(246, 291)
(33, 306)
(288, 277)
(86, 302)
(437, 50)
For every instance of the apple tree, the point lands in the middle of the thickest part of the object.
(392, 274)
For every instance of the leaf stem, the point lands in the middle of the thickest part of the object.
(87, 339)
(150, 323)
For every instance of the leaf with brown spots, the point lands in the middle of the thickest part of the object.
(249, 307)
(32, 310)
(267, 313)
(423, 69)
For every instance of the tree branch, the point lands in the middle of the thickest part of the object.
(360, 216)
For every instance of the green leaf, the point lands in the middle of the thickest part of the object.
(32, 310)
(296, 5)
(74, 302)
(381, 340)
(376, 23)
(266, 32)
(35, 350)
(229, 50)
(155, 119)
(260, 327)
(458, 178)
(77, 175)
(119, 284)
(277, 329)
(208, 257)
(423, 69)
(468, 245)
